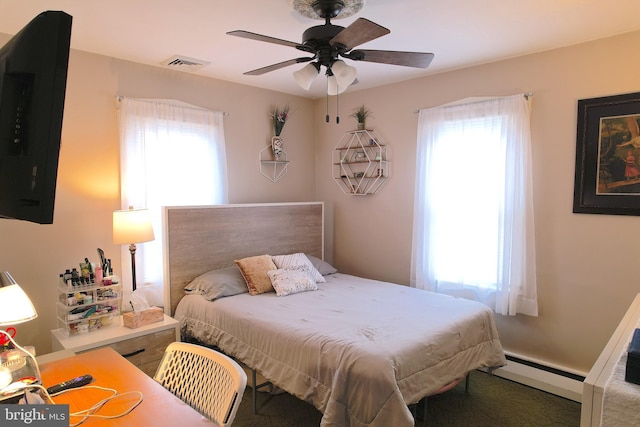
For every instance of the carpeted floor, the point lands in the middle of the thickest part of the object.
(491, 402)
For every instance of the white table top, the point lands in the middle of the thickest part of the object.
(620, 399)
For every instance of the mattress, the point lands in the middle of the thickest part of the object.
(359, 350)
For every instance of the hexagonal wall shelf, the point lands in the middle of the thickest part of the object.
(360, 163)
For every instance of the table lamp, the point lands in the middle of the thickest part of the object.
(15, 307)
(130, 227)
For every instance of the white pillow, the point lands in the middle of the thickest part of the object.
(293, 260)
(287, 282)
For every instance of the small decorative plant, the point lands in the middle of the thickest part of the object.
(360, 114)
(279, 117)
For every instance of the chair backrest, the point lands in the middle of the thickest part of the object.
(208, 381)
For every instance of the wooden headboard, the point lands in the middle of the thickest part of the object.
(202, 238)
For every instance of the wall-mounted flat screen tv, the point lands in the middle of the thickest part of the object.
(33, 79)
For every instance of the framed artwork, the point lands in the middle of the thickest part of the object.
(607, 177)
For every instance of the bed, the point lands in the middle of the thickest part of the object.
(359, 350)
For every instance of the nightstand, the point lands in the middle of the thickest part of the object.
(143, 346)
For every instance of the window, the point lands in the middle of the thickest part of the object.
(171, 154)
(473, 214)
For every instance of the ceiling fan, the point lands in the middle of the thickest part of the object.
(328, 43)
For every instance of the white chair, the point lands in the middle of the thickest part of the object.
(208, 381)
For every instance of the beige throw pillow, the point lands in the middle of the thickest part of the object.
(254, 270)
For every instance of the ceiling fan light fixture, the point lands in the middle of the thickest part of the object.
(345, 74)
(305, 75)
(326, 43)
(334, 87)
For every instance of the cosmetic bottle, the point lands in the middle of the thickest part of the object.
(75, 277)
(66, 277)
(98, 274)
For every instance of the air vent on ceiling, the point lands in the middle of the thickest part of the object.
(183, 63)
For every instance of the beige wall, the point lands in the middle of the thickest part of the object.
(586, 264)
(88, 174)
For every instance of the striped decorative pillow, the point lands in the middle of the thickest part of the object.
(292, 260)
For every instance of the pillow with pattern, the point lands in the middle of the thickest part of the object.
(291, 281)
(292, 260)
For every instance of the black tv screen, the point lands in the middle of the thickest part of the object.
(33, 79)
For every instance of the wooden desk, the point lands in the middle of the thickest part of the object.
(109, 369)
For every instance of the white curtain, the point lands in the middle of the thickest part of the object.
(171, 153)
(473, 231)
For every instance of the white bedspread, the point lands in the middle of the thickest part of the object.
(359, 350)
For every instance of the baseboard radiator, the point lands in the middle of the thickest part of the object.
(543, 376)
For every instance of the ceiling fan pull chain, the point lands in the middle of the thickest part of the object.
(337, 109)
(327, 92)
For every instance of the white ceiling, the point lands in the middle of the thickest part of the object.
(459, 32)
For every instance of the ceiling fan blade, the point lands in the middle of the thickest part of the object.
(360, 31)
(277, 66)
(393, 57)
(260, 37)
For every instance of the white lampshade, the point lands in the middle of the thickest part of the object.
(132, 226)
(6, 377)
(305, 75)
(333, 87)
(15, 305)
(345, 74)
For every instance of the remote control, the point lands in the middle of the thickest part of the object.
(72, 383)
